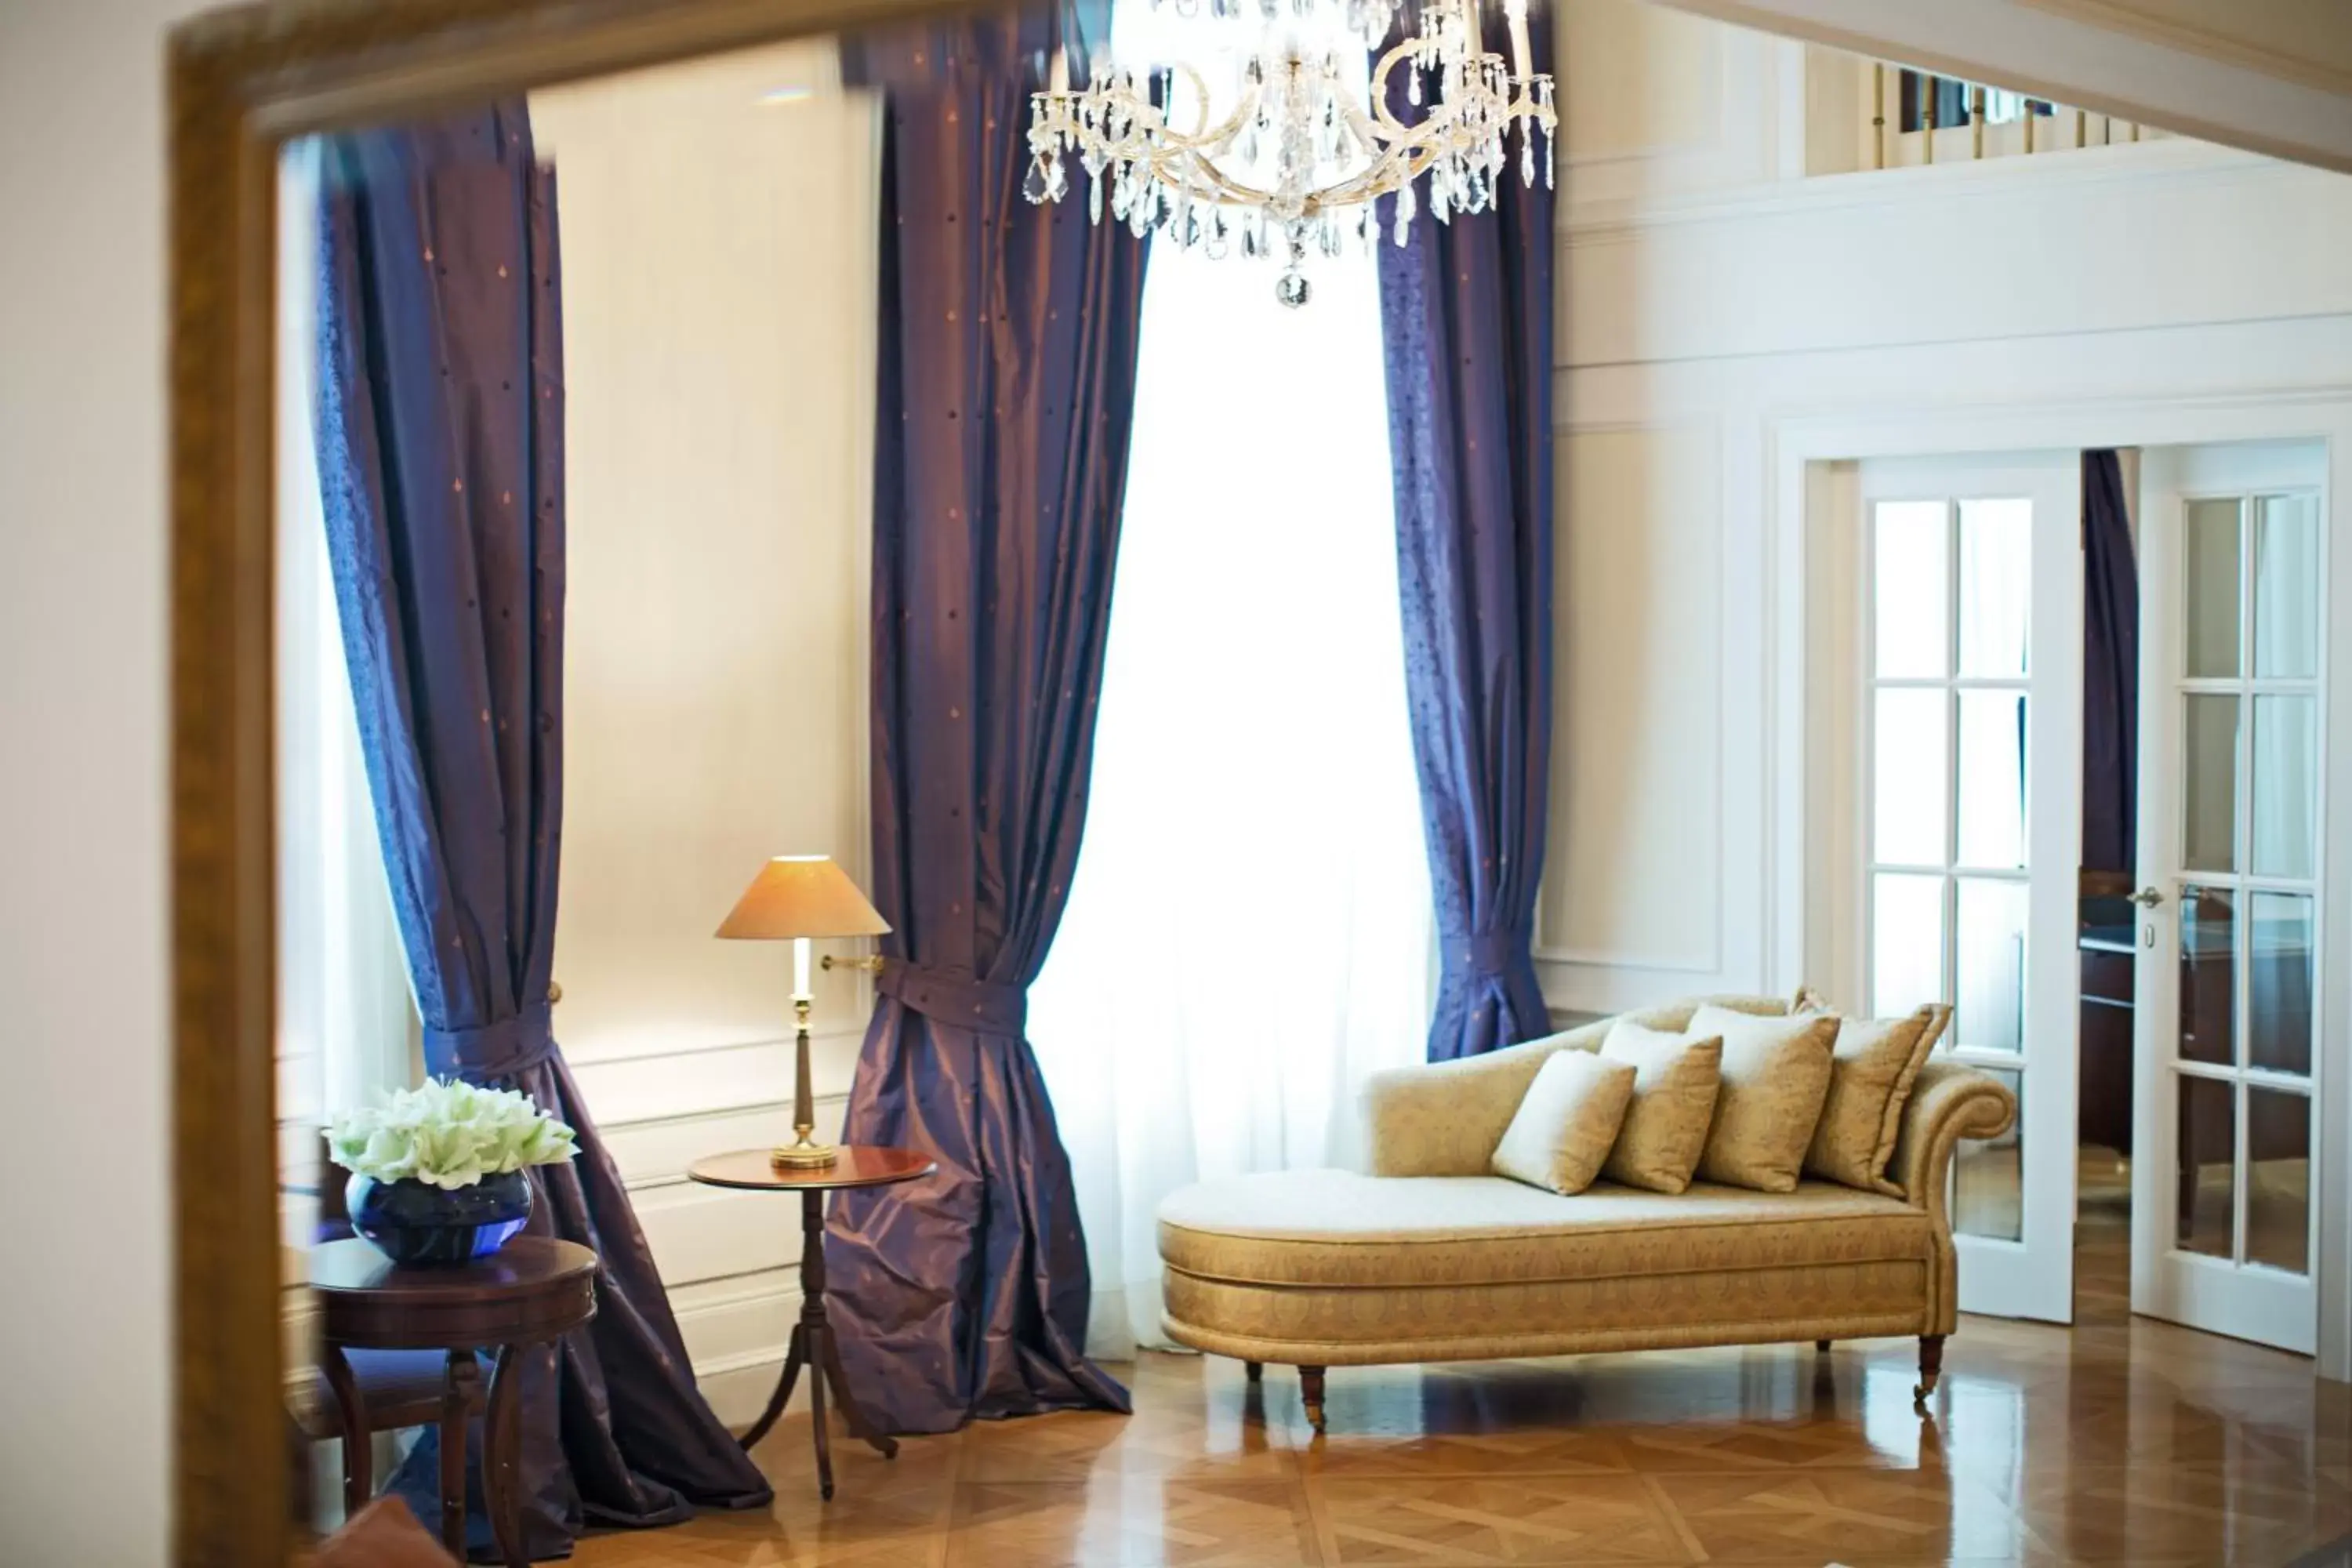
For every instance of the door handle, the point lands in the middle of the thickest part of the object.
(2148, 897)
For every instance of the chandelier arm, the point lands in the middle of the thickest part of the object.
(1381, 72)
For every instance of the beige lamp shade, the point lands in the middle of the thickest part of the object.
(800, 895)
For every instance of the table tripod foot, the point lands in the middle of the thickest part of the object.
(795, 1357)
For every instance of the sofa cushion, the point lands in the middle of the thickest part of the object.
(1665, 1125)
(1567, 1123)
(1876, 1062)
(1344, 1228)
(1774, 1074)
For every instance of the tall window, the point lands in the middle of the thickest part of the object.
(1249, 928)
(345, 1020)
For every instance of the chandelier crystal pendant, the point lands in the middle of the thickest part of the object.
(1306, 142)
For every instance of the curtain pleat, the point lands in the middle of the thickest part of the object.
(1467, 308)
(1005, 388)
(441, 459)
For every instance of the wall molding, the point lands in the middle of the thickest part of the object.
(1589, 958)
(1710, 429)
(2169, 160)
(831, 1033)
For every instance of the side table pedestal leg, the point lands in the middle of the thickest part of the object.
(453, 1453)
(501, 1454)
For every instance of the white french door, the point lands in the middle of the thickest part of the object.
(1971, 675)
(2229, 972)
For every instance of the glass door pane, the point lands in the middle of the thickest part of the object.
(2208, 1003)
(2212, 597)
(2285, 767)
(1912, 771)
(1989, 1177)
(1910, 598)
(1996, 586)
(2208, 773)
(2287, 587)
(2279, 978)
(2278, 1180)
(2205, 1163)
(1992, 778)
(1906, 942)
(1989, 982)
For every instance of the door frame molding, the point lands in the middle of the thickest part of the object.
(1805, 502)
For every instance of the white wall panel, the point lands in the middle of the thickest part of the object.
(1653, 101)
(1638, 745)
(719, 304)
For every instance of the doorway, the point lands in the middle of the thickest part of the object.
(2152, 991)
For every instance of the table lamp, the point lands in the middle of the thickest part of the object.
(800, 898)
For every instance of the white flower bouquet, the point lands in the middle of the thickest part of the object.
(448, 1133)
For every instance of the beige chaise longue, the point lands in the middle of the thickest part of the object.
(1429, 1258)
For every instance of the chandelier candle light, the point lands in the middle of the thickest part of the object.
(1309, 142)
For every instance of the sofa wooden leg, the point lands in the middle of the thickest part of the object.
(1931, 1364)
(1821, 1347)
(1310, 1390)
(1254, 1370)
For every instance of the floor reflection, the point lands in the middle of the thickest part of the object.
(2118, 1442)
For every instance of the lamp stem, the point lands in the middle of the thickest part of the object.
(803, 1151)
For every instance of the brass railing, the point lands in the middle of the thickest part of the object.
(2089, 130)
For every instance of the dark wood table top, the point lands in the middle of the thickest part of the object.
(859, 1165)
(534, 1288)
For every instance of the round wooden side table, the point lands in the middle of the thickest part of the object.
(857, 1165)
(530, 1291)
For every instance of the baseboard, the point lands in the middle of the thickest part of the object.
(738, 1387)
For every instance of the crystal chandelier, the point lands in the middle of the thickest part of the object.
(1307, 141)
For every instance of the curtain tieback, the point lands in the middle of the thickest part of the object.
(961, 1000)
(1488, 951)
(502, 1049)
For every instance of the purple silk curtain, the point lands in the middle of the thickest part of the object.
(1466, 309)
(1006, 383)
(441, 460)
(2110, 672)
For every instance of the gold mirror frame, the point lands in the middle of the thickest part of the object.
(240, 82)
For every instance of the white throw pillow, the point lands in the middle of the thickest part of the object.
(1565, 1123)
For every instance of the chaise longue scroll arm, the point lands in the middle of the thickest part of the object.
(1950, 1101)
(1444, 1118)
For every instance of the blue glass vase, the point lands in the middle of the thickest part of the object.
(415, 1223)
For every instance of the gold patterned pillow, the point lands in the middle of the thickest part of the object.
(1567, 1122)
(1673, 1101)
(1871, 1072)
(1776, 1074)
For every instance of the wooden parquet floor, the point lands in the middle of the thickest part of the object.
(2117, 1442)
(2120, 1441)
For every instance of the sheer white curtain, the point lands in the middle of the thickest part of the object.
(345, 1019)
(1249, 929)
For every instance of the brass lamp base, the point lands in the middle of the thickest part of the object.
(803, 1152)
